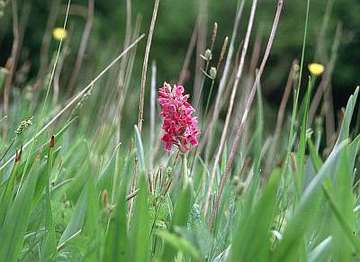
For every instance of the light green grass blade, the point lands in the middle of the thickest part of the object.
(139, 244)
(345, 126)
(305, 213)
(321, 251)
(92, 226)
(16, 221)
(116, 247)
(181, 213)
(302, 141)
(48, 248)
(77, 220)
(140, 149)
(7, 194)
(180, 244)
(252, 235)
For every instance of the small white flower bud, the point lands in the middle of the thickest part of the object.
(213, 72)
(207, 55)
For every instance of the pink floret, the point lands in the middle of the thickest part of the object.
(179, 126)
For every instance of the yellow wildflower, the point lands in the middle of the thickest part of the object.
(316, 69)
(59, 33)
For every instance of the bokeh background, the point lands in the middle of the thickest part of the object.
(174, 27)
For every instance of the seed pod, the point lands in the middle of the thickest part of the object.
(296, 69)
(105, 198)
(52, 142)
(18, 155)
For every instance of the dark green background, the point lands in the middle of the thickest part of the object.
(174, 26)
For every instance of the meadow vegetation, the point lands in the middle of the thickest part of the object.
(128, 168)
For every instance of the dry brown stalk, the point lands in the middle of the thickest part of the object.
(83, 44)
(235, 144)
(231, 105)
(145, 65)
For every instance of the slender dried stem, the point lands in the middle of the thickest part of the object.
(253, 90)
(45, 44)
(83, 45)
(200, 48)
(320, 51)
(145, 65)
(190, 50)
(57, 74)
(223, 81)
(125, 73)
(76, 98)
(125, 61)
(327, 76)
(231, 104)
(280, 117)
(329, 117)
(229, 163)
(48, 88)
(247, 83)
(12, 61)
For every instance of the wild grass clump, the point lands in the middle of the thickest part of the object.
(80, 181)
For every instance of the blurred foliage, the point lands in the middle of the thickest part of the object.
(176, 20)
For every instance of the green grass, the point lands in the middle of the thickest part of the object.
(84, 191)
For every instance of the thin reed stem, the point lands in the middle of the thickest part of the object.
(327, 75)
(231, 105)
(207, 137)
(202, 21)
(297, 91)
(125, 73)
(190, 50)
(83, 45)
(235, 144)
(42, 112)
(45, 44)
(12, 61)
(280, 118)
(145, 65)
(75, 98)
(253, 89)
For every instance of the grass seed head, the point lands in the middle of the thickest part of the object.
(23, 126)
